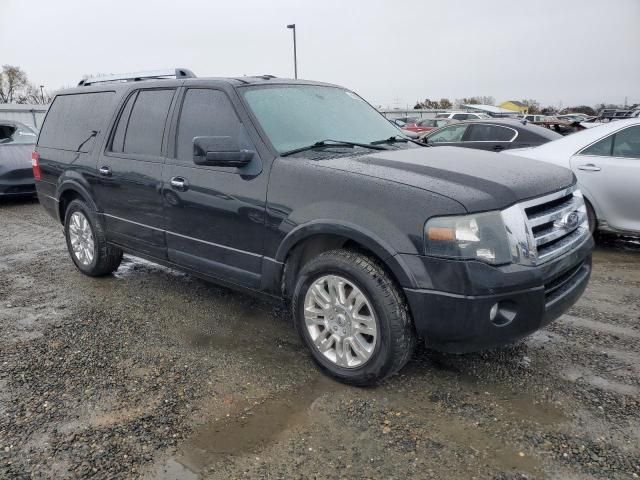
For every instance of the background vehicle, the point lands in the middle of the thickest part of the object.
(606, 161)
(16, 144)
(405, 127)
(494, 134)
(302, 190)
(462, 115)
(429, 124)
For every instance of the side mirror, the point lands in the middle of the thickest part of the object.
(219, 152)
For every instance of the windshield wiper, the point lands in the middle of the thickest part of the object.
(331, 143)
(397, 139)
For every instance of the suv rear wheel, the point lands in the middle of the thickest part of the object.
(352, 317)
(86, 241)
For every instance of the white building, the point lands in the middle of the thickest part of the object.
(31, 115)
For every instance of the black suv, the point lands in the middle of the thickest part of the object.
(303, 191)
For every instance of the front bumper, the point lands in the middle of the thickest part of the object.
(456, 317)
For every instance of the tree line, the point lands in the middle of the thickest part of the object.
(15, 87)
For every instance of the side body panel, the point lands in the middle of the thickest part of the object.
(215, 223)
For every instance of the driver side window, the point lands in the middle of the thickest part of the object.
(453, 133)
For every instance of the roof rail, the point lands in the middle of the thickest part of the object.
(137, 76)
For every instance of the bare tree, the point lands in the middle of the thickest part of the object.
(445, 104)
(533, 106)
(13, 81)
(16, 88)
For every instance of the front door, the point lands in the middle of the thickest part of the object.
(609, 173)
(129, 173)
(214, 215)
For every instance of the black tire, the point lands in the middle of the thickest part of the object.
(397, 337)
(106, 258)
(591, 217)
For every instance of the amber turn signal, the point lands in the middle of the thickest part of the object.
(441, 234)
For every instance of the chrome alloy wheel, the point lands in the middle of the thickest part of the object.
(81, 237)
(340, 321)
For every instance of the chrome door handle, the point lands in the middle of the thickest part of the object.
(589, 167)
(179, 183)
(104, 171)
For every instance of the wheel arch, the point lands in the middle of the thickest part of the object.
(67, 192)
(309, 240)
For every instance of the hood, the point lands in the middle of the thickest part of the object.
(477, 179)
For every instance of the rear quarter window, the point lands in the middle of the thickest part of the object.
(72, 118)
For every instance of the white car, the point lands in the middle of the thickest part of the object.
(462, 115)
(606, 161)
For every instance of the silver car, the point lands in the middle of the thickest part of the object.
(606, 161)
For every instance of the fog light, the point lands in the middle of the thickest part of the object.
(493, 312)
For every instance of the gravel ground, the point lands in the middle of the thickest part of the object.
(151, 373)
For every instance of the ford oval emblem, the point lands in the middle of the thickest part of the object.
(570, 221)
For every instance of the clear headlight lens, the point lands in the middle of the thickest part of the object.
(480, 236)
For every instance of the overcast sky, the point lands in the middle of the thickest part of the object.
(392, 52)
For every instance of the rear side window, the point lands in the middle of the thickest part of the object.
(460, 116)
(490, 133)
(72, 120)
(142, 130)
(145, 124)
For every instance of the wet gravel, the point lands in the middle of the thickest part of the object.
(151, 373)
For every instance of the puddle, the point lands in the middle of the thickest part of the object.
(618, 242)
(251, 431)
(131, 266)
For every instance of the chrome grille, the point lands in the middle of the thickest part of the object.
(546, 227)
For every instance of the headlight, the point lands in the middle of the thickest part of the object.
(480, 236)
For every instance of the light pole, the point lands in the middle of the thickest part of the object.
(42, 93)
(295, 57)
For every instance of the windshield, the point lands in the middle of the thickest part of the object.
(295, 116)
(17, 134)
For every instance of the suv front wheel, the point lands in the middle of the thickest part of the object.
(87, 243)
(352, 317)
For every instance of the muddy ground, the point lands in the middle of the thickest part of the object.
(151, 373)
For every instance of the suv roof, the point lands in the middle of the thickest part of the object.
(184, 75)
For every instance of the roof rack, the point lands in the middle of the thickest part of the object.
(137, 76)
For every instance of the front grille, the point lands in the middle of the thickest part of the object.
(546, 227)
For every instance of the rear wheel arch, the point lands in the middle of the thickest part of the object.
(70, 192)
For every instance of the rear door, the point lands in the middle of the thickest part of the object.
(129, 172)
(609, 173)
(486, 136)
(214, 215)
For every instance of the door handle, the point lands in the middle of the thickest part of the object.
(589, 167)
(105, 171)
(497, 148)
(180, 184)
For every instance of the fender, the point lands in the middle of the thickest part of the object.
(75, 184)
(353, 232)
